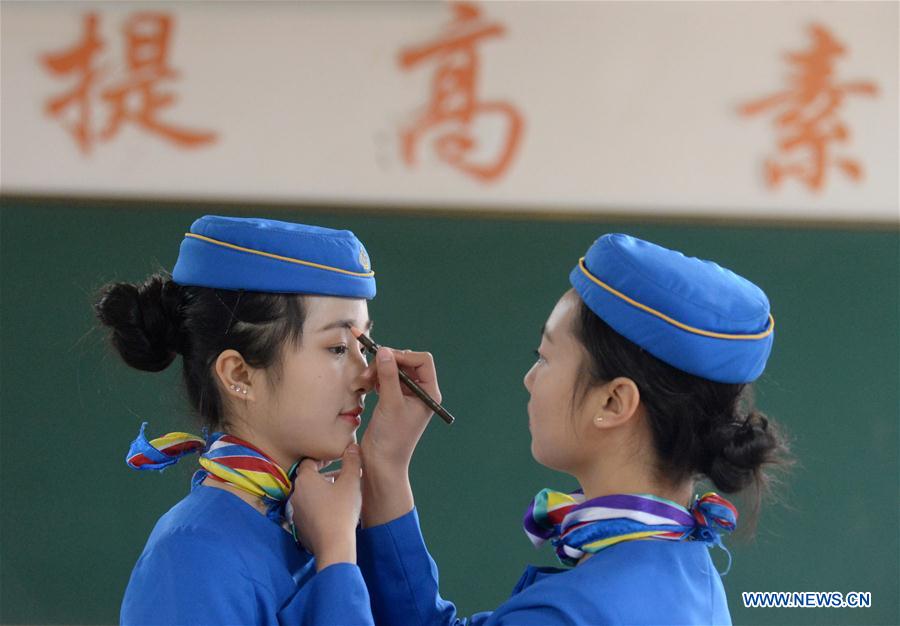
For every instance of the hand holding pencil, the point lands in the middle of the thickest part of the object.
(401, 415)
(397, 424)
(423, 395)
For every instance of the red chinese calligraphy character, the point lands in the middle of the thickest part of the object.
(454, 105)
(807, 117)
(136, 98)
(147, 36)
(78, 59)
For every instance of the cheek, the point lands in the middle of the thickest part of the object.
(306, 393)
(545, 418)
(314, 375)
(552, 435)
(546, 393)
(313, 396)
(548, 447)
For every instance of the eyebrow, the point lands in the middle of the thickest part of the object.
(546, 333)
(345, 324)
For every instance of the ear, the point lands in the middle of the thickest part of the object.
(615, 403)
(234, 375)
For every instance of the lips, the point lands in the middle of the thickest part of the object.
(352, 416)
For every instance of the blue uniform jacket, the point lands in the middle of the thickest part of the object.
(213, 559)
(634, 582)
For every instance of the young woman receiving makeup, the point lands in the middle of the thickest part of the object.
(260, 312)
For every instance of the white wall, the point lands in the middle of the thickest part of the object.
(626, 106)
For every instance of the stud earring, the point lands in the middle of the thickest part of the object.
(238, 389)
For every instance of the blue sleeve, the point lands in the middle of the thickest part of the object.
(336, 596)
(193, 578)
(402, 577)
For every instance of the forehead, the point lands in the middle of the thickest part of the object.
(561, 317)
(322, 310)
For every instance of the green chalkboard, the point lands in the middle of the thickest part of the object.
(474, 291)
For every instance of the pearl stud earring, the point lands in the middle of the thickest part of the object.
(238, 389)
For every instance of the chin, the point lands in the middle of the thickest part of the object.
(536, 454)
(335, 451)
(546, 460)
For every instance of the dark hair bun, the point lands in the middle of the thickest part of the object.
(145, 319)
(737, 451)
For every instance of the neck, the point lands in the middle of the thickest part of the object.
(604, 479)
(258, 442)
(620, 460)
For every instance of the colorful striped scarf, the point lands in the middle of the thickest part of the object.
(225, 458)
(576, 527)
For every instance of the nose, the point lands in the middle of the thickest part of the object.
(365, 379)
(529, 378)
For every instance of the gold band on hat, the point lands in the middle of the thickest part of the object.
(279, 257)
(666, 318)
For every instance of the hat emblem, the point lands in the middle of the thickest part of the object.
(364, 260)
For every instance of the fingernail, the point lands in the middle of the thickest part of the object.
(353, 449)
(384, 355)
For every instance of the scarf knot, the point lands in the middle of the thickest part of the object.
(223, 457)
(575, 526)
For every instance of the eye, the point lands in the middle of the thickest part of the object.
(340, 350)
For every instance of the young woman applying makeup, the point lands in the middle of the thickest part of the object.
(641, 389)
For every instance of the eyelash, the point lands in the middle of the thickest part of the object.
(538, 356)
(341, 350)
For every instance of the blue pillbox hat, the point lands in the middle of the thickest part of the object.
(692, 314)
(268, 255)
